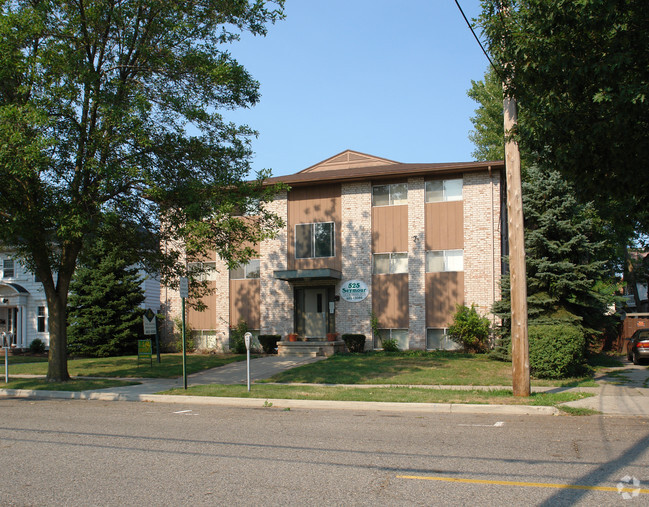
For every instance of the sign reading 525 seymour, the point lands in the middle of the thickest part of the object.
(354, 290)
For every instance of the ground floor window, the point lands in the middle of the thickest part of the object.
(437, 339)
(41, 324)
(254, 343)
(400, 335)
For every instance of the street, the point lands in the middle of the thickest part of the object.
(120, 453)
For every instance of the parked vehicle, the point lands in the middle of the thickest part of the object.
(638, 347)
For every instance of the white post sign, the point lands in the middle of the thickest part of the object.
(247, 337)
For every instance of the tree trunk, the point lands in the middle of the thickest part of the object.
(57, 370)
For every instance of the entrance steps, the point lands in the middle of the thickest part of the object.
(310, 348)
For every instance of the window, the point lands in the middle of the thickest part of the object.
(314, 240)
(248, 270)
(444, 190)
(390, 195)
(444, 260)
(401, 335)
(203, 271)
(395, 262)
(40, 320)
(8, 270)
(437, 339)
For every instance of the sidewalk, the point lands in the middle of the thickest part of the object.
(627, 399)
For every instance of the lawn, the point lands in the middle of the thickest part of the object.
(381, 394)
(412, 368)
(126, 366)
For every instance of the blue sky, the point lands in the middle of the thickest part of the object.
(383, 77)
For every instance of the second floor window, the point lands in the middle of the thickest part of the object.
(248, 270)
(314, 240)
(390, 195)
(444, 260)
(203, 271)
(444, 190)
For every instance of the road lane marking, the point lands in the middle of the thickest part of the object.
(499, 424)
(524, 484)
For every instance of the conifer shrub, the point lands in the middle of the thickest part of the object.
(557, 351)
(354, 342)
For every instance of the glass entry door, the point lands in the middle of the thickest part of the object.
(312, 312)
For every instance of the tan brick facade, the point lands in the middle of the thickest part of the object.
(482, 246)
(356, 204)
(416, 264)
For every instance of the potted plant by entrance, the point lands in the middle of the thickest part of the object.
(332, 337)
(292, 337)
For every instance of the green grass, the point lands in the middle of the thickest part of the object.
(412, 368)
(127, 366)
(22, 359)
(72, 385)
(383, 394)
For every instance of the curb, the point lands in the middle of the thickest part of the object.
(366, 406)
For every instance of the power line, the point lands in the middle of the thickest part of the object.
(477, 39)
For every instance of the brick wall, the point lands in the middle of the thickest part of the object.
(356, 250)
(416, 264)
(482, 247)
(276, 295)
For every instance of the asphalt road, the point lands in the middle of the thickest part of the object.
(120, 453)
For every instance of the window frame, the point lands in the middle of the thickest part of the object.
(444, 198)
(391, 264)
(390, 195)
(375, 340)
(445, 258)
(312, 240)
(246, 270)
(41, 319)
(5, 268)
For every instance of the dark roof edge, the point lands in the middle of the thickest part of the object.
(385, 171)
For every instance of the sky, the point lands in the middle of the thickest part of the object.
(383, 77)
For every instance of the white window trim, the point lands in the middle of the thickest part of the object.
(313, 224)
(245, 271)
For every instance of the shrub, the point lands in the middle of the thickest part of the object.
(469, 329)
(557, 351)
(269, 342)
(390, 345)
(37, 346)
(237, 342)
(354, 342)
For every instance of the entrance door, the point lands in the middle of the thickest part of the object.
(315, 313)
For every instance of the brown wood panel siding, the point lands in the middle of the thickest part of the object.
(444, 225)
(207, 318)
(308, 205)
(390, 300)
(389, 229)
(443, 292)
(245, 301)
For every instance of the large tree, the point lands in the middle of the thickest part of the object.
(111, 108)
(580, 72)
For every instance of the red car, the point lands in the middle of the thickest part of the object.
(638, 347)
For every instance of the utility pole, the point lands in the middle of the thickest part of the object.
(518, 282)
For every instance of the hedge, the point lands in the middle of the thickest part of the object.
(354, 342)
(268, 342)
(556, 351)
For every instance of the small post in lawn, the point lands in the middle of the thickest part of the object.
(184, 292)
(247, 337)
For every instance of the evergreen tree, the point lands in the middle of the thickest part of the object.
(104, 317)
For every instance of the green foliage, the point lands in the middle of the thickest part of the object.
(104, 314)
(237, 340)
(502, 351)
(557, 351)
(469, 329)
(488, 128)
(96, 101)
(268, 342)
(177, 344)
(579, 70)
(354, 342)
(37, 346)
(390, 345)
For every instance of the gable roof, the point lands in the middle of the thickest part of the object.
(351, 165)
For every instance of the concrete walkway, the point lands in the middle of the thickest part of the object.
(621, 391)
